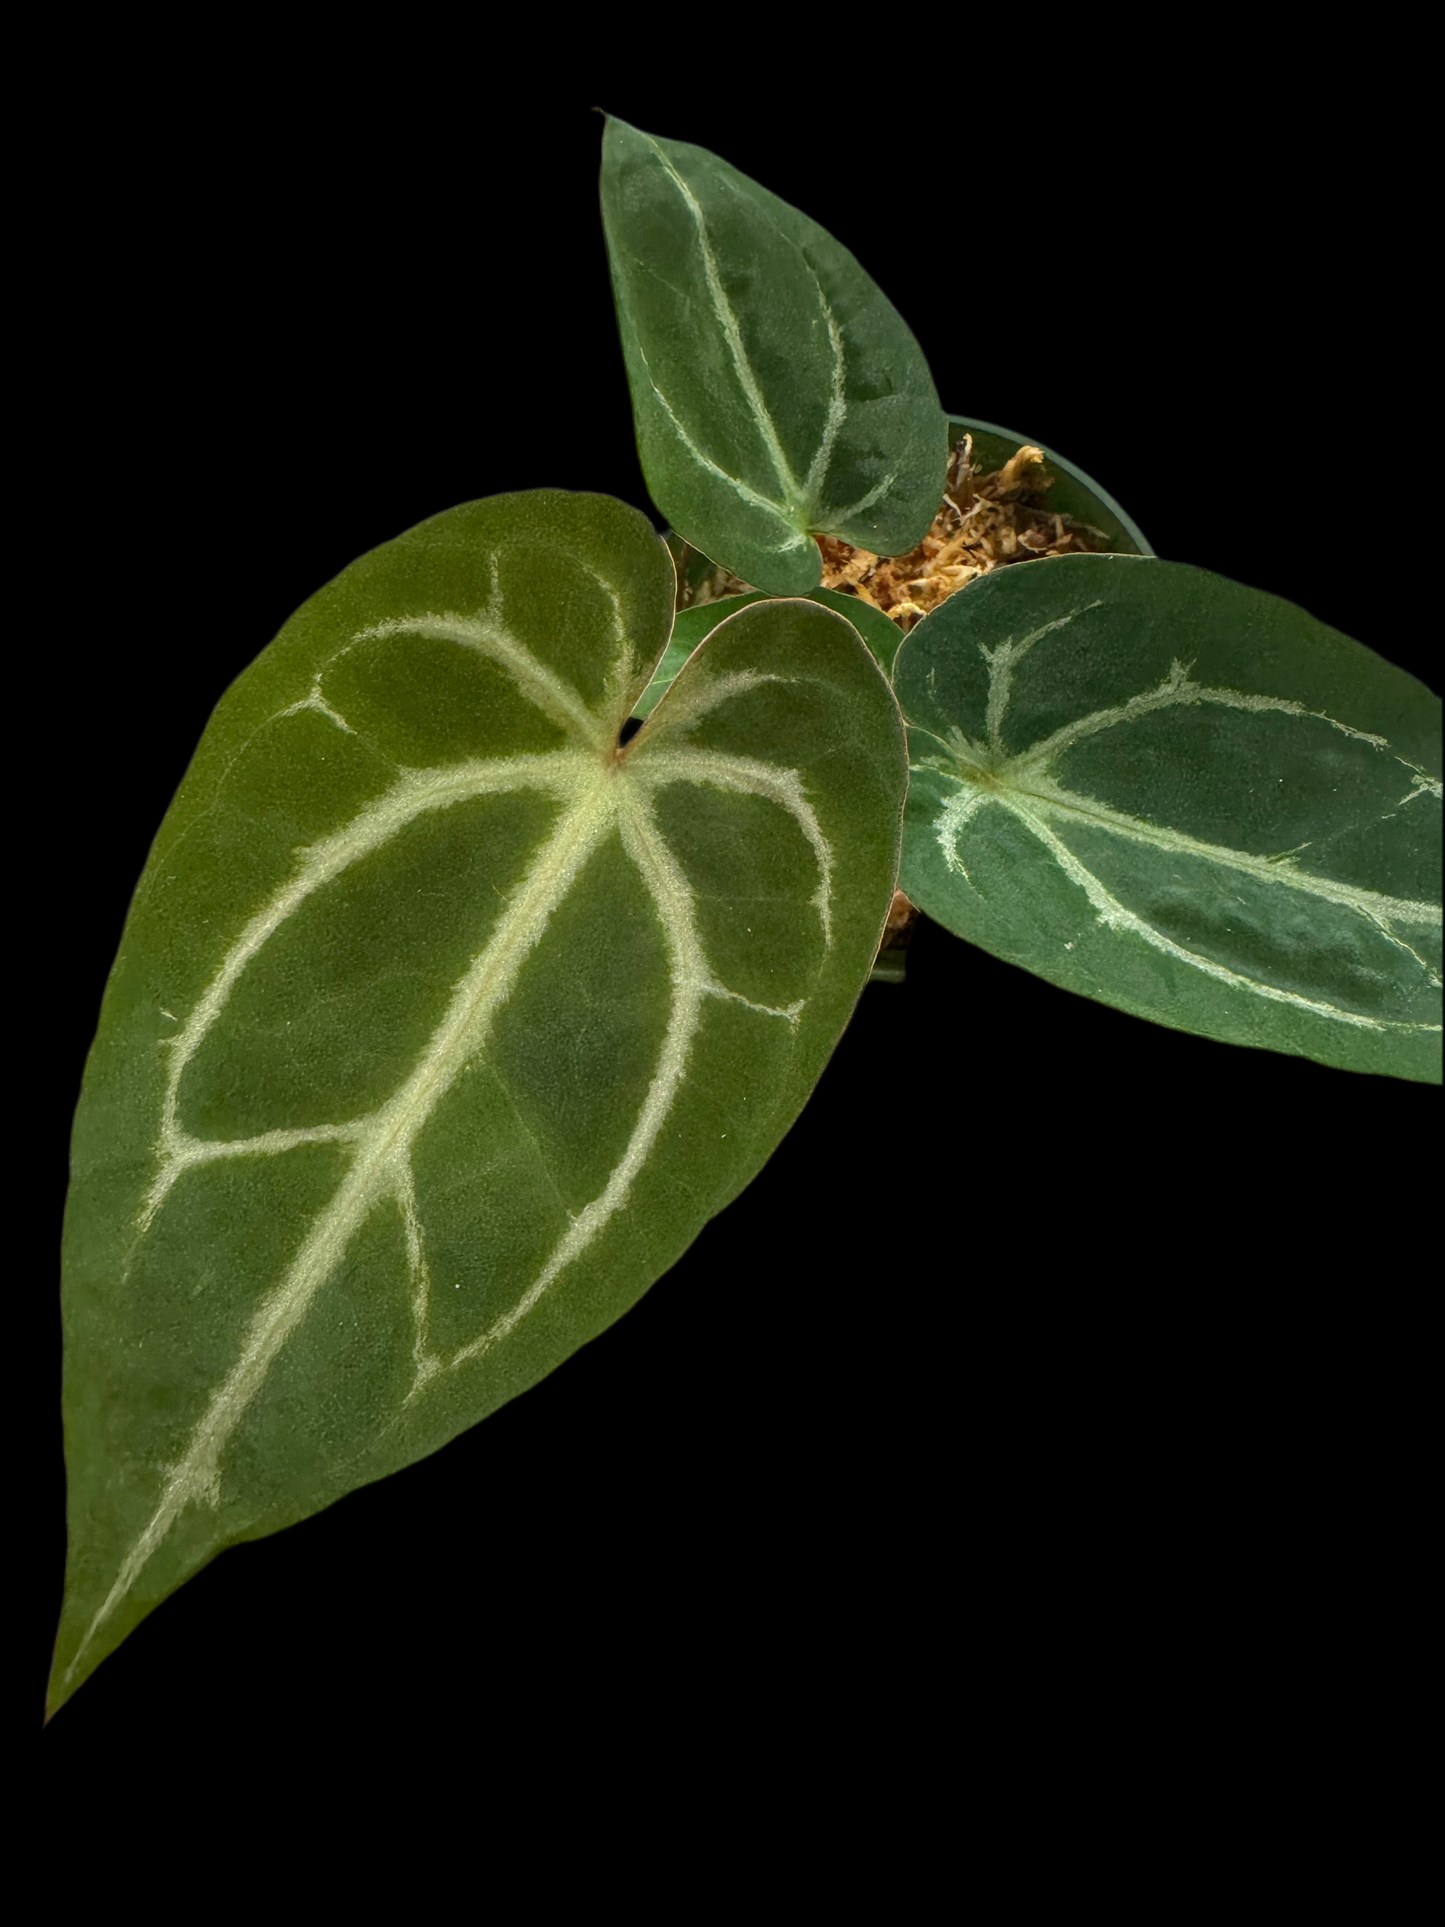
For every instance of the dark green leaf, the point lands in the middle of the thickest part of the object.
(439, 1028)
(692, 625)
(1185, 798)
(778, 394)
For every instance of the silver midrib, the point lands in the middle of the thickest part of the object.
(793, 492)
(598, 793)
(800, 499)
(984, 775)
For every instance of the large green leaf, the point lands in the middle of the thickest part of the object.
(1185, 798)
(440, 1026)
(778, 394)
(691, 626)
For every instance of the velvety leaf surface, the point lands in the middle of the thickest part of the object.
(439, 1028)
(777, 392)
(690, 626)
(1185, 798)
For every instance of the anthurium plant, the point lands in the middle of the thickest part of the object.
(518, 893)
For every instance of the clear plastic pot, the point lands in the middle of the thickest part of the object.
(1073, 493)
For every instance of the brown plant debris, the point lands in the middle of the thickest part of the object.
(899, 925)
(985, 521)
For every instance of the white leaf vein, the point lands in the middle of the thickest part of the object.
(732, 333)
(1023, 784)
(594, 805)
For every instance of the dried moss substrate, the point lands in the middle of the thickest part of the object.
(985, 521)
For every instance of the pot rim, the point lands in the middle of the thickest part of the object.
(1055, 460)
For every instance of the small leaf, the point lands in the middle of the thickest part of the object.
(1185, 798)
(439, 1027)
(691, 626)
(778, 394)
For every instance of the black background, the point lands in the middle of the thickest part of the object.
(1053, 1352)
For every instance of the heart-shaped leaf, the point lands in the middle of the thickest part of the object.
(690, 627)
(777, 392)
(440, 1026)
(1184, 798)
